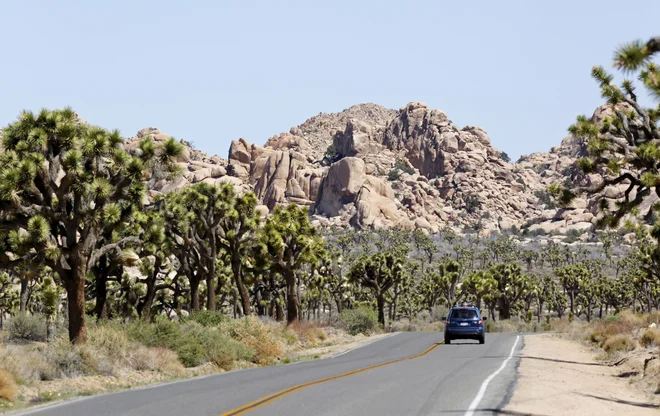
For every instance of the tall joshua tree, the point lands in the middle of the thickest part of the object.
(379, 273)
(66, 183)
(623, 147)
(288, 242)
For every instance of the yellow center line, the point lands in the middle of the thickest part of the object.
(282, 393)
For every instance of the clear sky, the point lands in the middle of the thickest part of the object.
(213, 71)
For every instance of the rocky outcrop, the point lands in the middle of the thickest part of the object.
(369, 166)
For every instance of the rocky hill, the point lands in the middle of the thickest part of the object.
(369, 166)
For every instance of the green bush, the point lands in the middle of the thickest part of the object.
(195, 343)
(24, 327)
(207, 318)
(400, 167)
(331, 156)
(360, 320)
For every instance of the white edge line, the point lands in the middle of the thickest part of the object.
(39, 409)
(484, 385)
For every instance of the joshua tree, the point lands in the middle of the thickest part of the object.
(624, 146)
(67, 183)
(288, 242)
(378, 273)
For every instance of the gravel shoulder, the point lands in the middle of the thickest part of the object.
(558, 376)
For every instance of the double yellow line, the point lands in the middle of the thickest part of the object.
(283, 393)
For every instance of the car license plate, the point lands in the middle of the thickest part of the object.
(464, 324)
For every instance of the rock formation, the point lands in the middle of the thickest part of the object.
(369, 166)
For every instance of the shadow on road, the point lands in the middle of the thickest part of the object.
(629, 403)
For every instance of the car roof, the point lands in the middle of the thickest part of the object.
(464, 307)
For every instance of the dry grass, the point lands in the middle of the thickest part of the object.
(619, 343)
(255, 334)
(308, 333)
(8, 389)
(155, 359)
(650, 338)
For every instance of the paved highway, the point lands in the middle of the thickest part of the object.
(404, 374)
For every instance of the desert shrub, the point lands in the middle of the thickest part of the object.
(360, 320)
(78, 360)
(472, 204)
(225, 352)
(632, 320)
(546, 199)
(27, 363)
(619, 343)
(308, 332)
(207, 318)
(110, 340)
(400, 167)
(597, 337)
(650, 338)
(403, 166)
(394, 175)
(505, 157)
(653, 318)
(161, 333)
(256, 335)
(154, 359)
(289, 336)
(24, 327)
(8, 389)
(572, 236)
(331, 156)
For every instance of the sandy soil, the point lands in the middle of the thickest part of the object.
(561, 377)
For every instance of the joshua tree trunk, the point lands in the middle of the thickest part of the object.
(194, 293)
(236, 267)
(75, 289)
(210, 289)
(292, 303)
(144, 309)
(24, 295)
(380, 300)
(100, 281)
(504, 308)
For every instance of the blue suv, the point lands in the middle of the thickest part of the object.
(464, 322)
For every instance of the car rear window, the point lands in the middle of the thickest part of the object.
(464, 314)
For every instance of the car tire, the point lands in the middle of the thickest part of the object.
(447, 340)
(482, 339)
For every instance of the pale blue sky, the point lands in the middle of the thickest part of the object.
(213, 71)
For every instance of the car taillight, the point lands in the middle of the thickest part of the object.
(480, 321)
(448, 321)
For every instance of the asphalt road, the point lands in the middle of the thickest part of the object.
(410, 374)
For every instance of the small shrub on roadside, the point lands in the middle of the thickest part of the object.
(161, 333)
(24, 327)
(308, 332)
(650, 338)
(109, 339)
(8, 389)
(154, 359)
(289, 336)
(619, 343)
(360, 320)
(227, 352)
(254, 334)
(77, 360)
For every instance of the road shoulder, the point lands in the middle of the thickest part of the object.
(558, 376)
